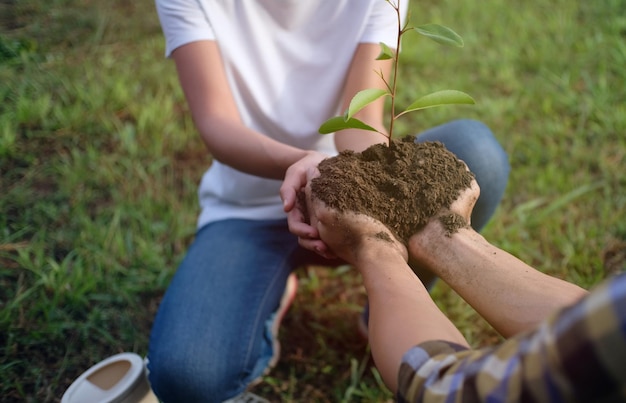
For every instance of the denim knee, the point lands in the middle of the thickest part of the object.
(176, 378)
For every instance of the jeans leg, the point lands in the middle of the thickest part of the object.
(474, 143)
(210, 336)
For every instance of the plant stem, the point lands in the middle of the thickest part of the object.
(396, 63)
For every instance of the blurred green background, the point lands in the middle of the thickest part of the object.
(99, 163)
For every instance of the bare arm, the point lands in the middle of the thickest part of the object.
(402, 313)
(216, 117)
(511, 295)
(365, 73)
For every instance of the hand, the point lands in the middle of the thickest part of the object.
(464, 204)
(353, 237)
(296, 178)
(424, 243)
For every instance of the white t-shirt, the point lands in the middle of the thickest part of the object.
(286, 62)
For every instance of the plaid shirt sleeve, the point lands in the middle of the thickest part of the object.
(578, 354)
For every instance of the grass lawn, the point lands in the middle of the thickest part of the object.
(99, 163)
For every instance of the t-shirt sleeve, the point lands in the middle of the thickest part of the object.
(382, 25)
(183, 22)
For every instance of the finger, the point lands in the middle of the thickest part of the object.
(317, 246)
(298, 226)
(288, 196)
(465, 202)
(294, 180)
(303, 230)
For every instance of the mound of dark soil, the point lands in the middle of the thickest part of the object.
(402, 185)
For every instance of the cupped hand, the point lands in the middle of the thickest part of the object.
(351, 236)
(297, 177)
(464, 204)
(423, 244)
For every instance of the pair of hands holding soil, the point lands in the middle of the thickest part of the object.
(349, 236)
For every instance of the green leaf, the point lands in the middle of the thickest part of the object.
(444, 97)
(386, 52)
(337, 123)
(362, 99)
(440, 34)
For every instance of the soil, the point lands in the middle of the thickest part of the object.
(403, 185)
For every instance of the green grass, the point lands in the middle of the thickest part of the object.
(99, 163)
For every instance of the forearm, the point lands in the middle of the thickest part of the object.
(216, 116)
(402, 314)
(582, 346)
(246, 150)
(511, 295)
(363, 75)
(358, 140)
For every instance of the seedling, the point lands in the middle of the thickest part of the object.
(438, 33)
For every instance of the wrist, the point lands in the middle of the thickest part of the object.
(381, 244)
(379, 256)
(434, 242)
(385, 274)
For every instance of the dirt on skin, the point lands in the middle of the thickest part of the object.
(403, 185)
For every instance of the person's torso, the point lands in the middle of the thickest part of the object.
(286, 62)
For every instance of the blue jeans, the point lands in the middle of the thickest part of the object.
(211, 336)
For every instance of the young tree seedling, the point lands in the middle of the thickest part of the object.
(438, 33)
